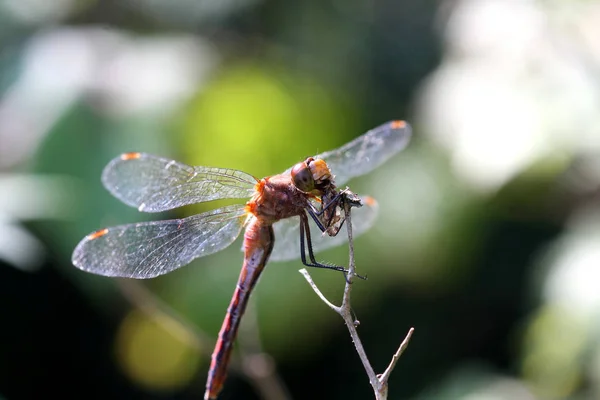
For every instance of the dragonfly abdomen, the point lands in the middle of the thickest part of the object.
(258, 244)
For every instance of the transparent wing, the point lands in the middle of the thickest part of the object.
(149, 249)
(366, 152)
(154, 184)
(287, 232)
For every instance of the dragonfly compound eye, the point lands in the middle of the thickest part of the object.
(303, 178)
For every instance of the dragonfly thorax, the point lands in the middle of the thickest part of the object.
(277, 197)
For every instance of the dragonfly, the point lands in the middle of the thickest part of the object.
(274, 218)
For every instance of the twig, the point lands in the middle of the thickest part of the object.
(385, 376)
(379, 383)
(312, 284)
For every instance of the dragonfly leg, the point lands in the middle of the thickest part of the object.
(333, 202)
(315, 216)
(325, 227)
(305, 231)
(341, 197)
(344, 195)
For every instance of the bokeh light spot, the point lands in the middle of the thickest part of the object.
(554, 342)
(153, 357)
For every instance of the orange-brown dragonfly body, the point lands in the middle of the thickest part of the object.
(275, 198)
(279, 207)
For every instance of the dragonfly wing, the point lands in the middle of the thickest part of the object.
(287, 232)
(154, 184)
(150, 249)
(366, 152)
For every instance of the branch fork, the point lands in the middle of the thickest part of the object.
(379, 382)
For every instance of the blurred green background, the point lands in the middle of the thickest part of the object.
(488, 239)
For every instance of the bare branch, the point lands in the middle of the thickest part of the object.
(379, 383)
(346, 309)
(314, 287)
(383, 378)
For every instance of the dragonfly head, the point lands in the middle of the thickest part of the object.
(311, 175)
